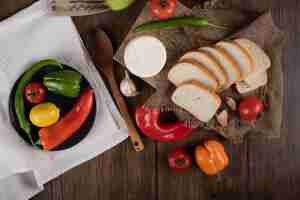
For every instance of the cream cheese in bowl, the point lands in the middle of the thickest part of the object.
(145, 56)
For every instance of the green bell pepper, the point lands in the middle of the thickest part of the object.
(65, 83)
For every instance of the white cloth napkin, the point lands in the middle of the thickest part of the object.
(25, 38)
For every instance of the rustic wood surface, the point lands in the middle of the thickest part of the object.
(260, 169)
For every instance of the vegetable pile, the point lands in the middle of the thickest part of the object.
(54, 128)
(210, 157)
(55, 135)
(19, 100)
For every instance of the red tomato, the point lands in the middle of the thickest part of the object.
(250, 107)
(163, 8)
(179, 159)
(35, 92)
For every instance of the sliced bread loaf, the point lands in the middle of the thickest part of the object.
(240, 55)
(261, 60)
(188, 69)
(226, 62)
(206, 60)
(197, 99)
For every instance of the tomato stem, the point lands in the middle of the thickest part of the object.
(163, 3)
(32, 94)
(180, 162)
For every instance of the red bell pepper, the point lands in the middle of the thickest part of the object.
(56, 134)
(147, 120)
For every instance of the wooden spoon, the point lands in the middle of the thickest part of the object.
(101, 50)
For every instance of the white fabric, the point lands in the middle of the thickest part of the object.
(30, 36)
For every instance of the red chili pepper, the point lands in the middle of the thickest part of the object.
(147, 120)
(179, 159)
(56, 134)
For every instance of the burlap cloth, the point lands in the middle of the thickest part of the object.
(262, 30)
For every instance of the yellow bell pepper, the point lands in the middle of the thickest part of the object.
(44, 114)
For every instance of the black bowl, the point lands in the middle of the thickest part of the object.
(65, 104)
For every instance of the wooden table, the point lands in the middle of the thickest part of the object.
(260, 169)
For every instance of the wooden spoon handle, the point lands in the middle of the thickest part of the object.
(132, 130)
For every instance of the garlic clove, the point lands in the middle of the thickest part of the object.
(222, 118)
(128, 87)
(231, 103)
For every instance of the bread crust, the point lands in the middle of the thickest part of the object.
(264, 56)
(233, 62)
(212, 61)
(243, 51)
(246, 54)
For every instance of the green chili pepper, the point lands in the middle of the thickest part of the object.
(19, 101)
(176, 22)
(65, 83)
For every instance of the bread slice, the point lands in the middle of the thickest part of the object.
(189, 69)
(260, 80)
(197, 99)
(226, 62)
(240, 55)
(261, 60)
(206, 60)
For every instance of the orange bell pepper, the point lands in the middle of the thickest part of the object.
(211, 157)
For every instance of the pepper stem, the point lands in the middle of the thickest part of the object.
(38, 144)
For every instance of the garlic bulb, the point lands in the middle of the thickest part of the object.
(127, 86)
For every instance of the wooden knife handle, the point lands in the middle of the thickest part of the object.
(132, 130)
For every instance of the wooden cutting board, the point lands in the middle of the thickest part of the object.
(180, 40)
